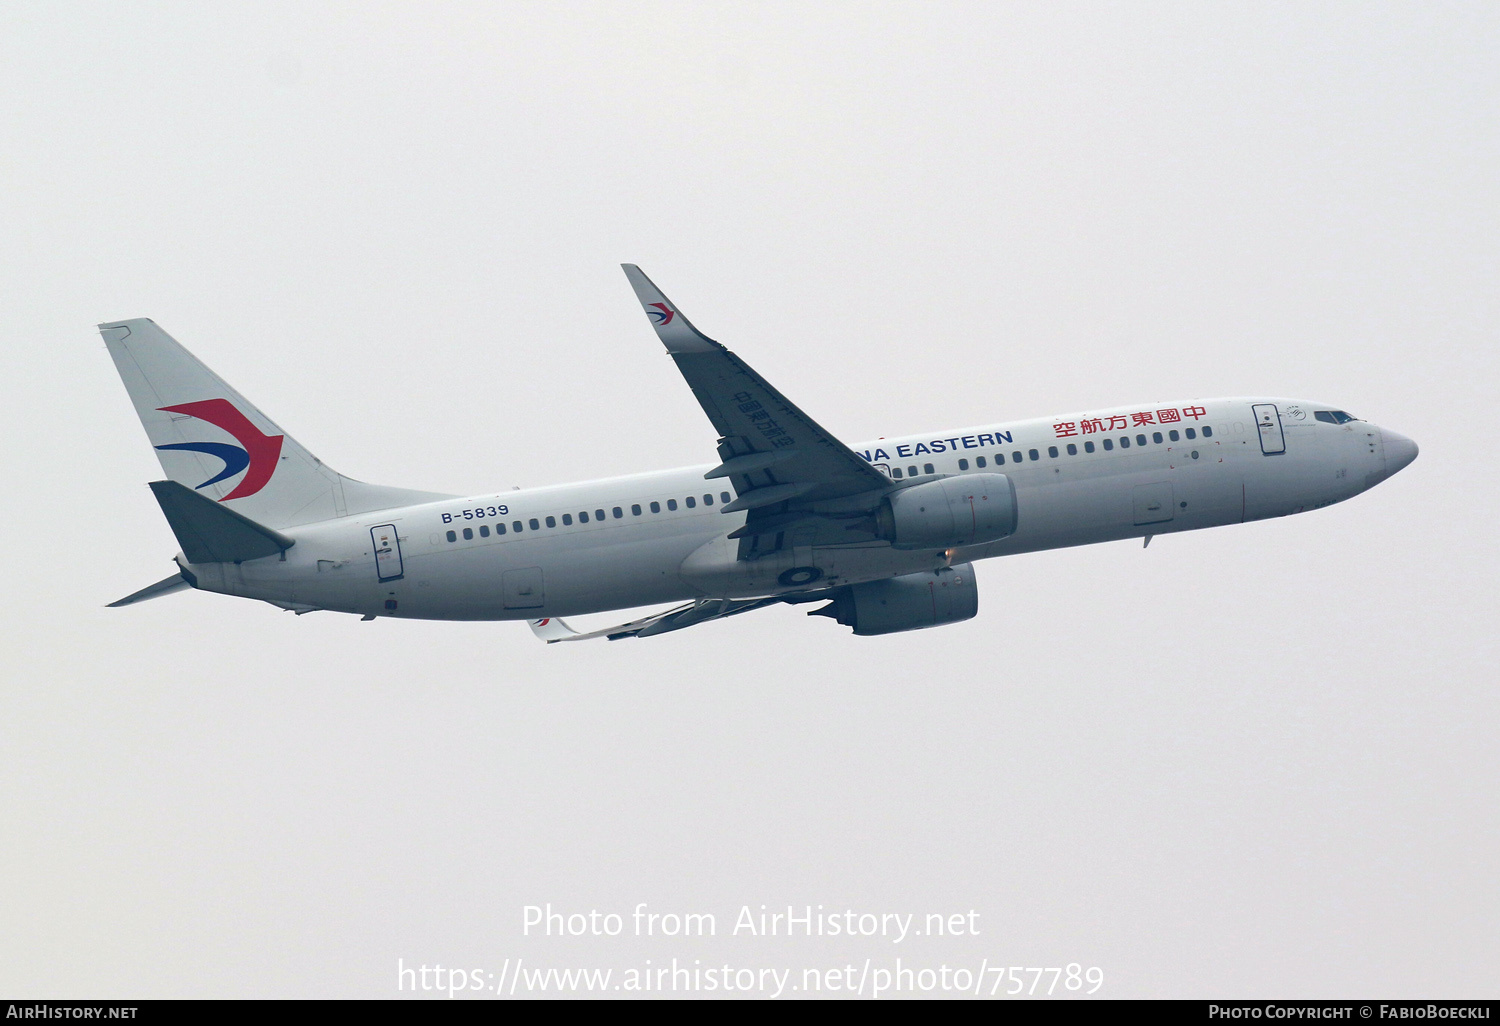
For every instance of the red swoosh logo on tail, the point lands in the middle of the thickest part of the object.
(264, 449)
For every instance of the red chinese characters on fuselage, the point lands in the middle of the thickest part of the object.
(1098, 425)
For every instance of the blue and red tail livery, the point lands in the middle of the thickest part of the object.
(256, 454)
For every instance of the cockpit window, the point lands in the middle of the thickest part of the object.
(1333, 416)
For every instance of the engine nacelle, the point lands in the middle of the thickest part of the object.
(967, 510)
(907, 603)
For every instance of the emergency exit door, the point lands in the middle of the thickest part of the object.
(1268, 424)
(387, 552)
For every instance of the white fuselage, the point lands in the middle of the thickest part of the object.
(447, 560)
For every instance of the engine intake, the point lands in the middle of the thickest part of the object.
(907, 603)
(968, 510)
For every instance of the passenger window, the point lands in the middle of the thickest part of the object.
(978, 462)
(468, 534)
(911, 471)
(1156, 437)
(1172, 434)
(1088, 446)
(515, 525)
(500, 528)
(618, 512)
(1052, 451)
(1015, 457)
(964, 464)
(583, 516)
(671, 504)
(1191, 433)
(724, 496)
(1124, 441)
(708, 499)
(691, 502)
(1208, 432)
(484, 531)
(567, 520)
(896, 473)
(656, 507)
(1108, 444)
(1072, 449)
(1034, 454)
(927, 468)
(551, 521)
(598, 514)
(1140, 439)
(535, 525)
(635, 509)
(452, 536)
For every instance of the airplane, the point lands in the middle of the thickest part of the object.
(883, 534)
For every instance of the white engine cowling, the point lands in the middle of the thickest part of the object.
(967, 510)
(907, 603)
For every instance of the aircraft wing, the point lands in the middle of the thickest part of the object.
(553, 630)
(776, 456)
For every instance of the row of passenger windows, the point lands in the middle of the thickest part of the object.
(691, 502)
(981, 463)
(617, 512)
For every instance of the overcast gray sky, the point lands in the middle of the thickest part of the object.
(1253, 761)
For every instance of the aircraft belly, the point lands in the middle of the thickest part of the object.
(1108, 505)
(715, 570)
(529, 578)
(625, 572)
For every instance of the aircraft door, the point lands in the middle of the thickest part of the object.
(1268, 423)
(387, 552)
(522, 589)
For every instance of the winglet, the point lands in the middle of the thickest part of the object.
(552, 629)
(675, 331)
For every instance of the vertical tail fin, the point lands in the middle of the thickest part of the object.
(211, 439)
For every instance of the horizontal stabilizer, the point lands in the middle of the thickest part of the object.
(212, 533)
(174, 583)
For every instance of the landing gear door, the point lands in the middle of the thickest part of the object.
(1268, 423)
(387, 552)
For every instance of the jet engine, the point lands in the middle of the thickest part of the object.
(907, 603)
(968, 510)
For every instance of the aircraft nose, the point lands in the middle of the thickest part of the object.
(1399, 451)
